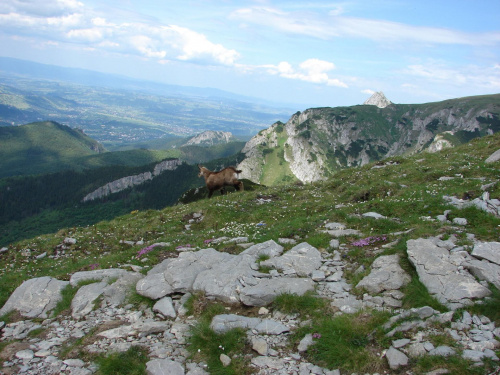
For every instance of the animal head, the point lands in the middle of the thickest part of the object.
(203, 170)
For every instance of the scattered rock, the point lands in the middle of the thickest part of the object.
(395, 358)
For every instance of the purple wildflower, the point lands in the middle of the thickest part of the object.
(316, 335)
(208, 241)
(146, 250)
(368, 241)
(183, 246)
(94, 266)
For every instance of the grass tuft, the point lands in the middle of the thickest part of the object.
(131, 362)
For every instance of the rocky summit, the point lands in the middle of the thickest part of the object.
(378, 99)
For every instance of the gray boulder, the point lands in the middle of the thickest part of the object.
(395, 358)
(269, 248)
(165, 307)
(386, 274)
(164, 366)
(441, 277)
(493, 157)
(266, 290)
(303, 259)
(116, 294)
(178, 275)
(83, 301)
(35, 298)
(154, 286)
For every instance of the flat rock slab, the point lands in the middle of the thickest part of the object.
(142, 327)
(386, 274)
(485, 270)
(35, 298)
(487, 250)
(266, 290)
(441, 277)
(97, 275)
(225, 322)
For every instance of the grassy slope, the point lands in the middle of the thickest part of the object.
(48, 147)
(406, 192)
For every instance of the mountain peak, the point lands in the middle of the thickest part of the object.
(378, 99)
(210, 138)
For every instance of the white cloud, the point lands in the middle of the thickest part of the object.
(333, 24)
(196, 46)
(70, 21)
(311, 70)
(36, 8)
(368, 91)
(89, 35)
(464, 76)
(146, 46)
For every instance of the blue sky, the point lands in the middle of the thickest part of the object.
(309, 53)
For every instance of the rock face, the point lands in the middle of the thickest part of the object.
(378, 99)
(130, 181)
(210, 138)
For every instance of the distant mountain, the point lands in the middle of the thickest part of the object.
(210, 138)
(117, 110)
(378, 99)
(318, 142)
(46, 147)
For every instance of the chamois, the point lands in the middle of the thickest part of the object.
(217, 180)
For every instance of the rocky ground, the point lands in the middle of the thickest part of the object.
(101, 320)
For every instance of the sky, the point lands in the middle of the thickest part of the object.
(305, 53)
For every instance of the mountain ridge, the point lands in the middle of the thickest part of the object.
(318, 142)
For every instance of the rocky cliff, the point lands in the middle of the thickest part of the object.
(130, 181)
(316, 143)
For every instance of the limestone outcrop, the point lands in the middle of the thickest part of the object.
(131, 181)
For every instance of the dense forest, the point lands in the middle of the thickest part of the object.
(33, 205)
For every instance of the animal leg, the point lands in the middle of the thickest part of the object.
(239, 186)
(210, 192)
(222, 191)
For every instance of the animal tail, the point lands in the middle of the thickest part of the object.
(235, 170)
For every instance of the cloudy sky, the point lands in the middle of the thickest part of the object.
(310, 53)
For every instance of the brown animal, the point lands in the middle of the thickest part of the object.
(218, 180)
